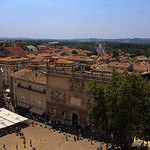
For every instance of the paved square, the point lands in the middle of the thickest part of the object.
(45, 139)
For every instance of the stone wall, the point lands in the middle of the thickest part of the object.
(67, 95)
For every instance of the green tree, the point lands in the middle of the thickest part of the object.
(87, 68)
(127, 98)
(74, 52)
(78, 68)
(115, 53)
(128, 101)
(8, 45)
(98, 114)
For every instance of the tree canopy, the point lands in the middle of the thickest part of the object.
(115, 53)
(131, 48)
(125, 104)
(74, 52)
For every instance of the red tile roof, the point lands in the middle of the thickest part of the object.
(15, 50)
(12, 59)
(1, 52)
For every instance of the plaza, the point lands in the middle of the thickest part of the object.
(45, 139)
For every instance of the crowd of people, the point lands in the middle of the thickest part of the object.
(18, 131)
(48, 123)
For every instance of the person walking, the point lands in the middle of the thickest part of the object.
(16, 147)
(30, 143)
(24, 142)
(4, 147)
(74, 138)
(66, 137)
(91, 139)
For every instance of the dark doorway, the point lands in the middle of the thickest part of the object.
(74, 119)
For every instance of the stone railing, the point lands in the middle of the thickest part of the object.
(81, 74)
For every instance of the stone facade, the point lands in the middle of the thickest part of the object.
(66, 97)
(29, 87)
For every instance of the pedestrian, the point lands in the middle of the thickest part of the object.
(16, 147)
(98, 148)
(45, 124)
(30, 143)
(91, 139)
(20, 133)
(74, 138)
(79, 136)
(24, 142)
(106, 146)
(66, 137)
(4, 147)
(33, 148)
(142, 144)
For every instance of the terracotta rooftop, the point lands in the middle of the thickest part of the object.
(1, 52)
(29, 75)
(39, 58)
(15, 50)
(31, 55)
(63, 61)
(74, 58)
(141, 68)
(8, 59)
(7, 65)
(42, 46)
(100, 69)
(118, 65)
(142, 58)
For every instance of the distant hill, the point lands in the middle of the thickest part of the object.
(125, 40)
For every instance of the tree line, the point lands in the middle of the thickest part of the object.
(131, 48)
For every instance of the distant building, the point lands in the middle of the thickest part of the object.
(1, 81)
(9, 51)
(121, 66)
(139, 69)
(12, 64)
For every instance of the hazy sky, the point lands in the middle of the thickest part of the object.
(75, 18)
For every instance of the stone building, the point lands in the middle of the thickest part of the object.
(60, 93)
(1, 81)
(10, 65)
(66, 97)
(28, 90)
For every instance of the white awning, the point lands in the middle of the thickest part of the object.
(37, 111)
(8, 118)
(7, 90)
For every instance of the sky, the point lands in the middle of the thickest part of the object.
(69, 19)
